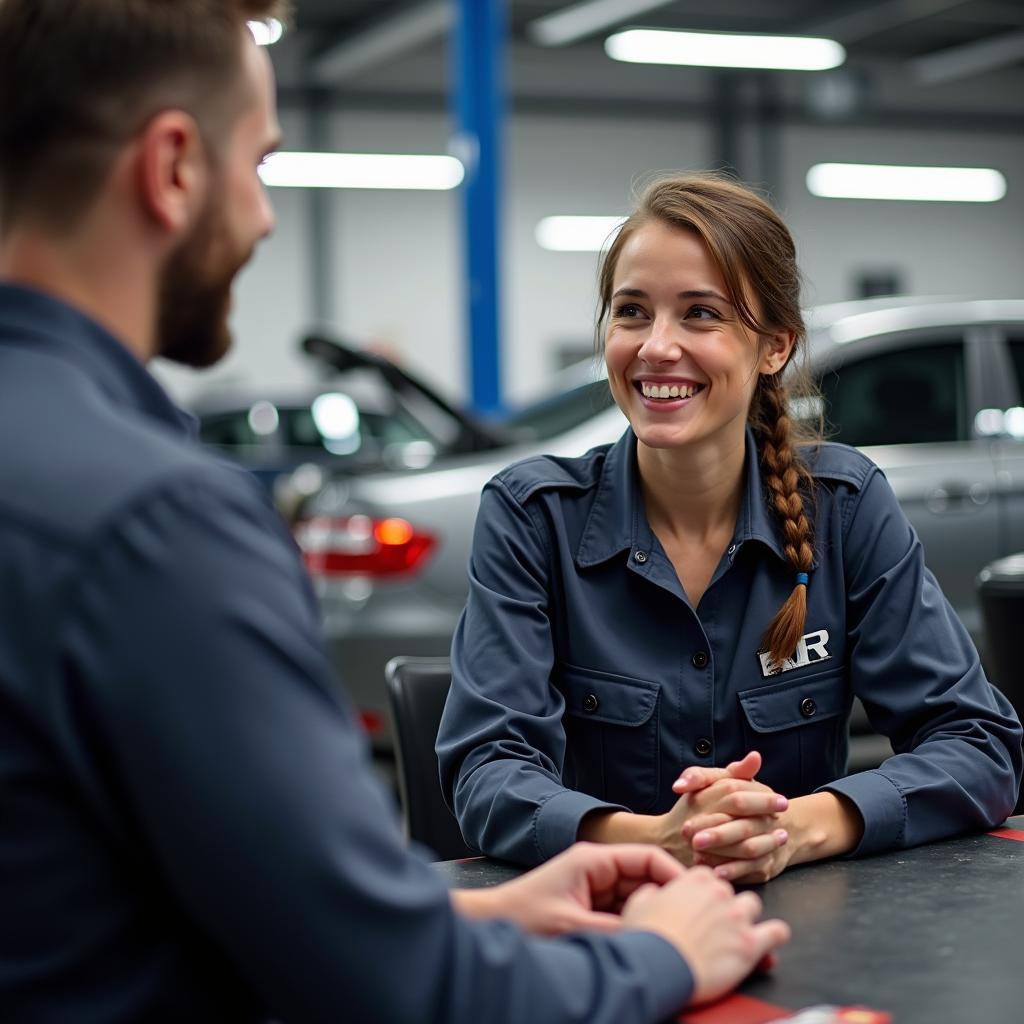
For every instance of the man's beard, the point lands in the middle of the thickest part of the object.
(195, 294)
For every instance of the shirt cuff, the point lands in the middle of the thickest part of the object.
(558, 820)
(670, 985)
(881, 805)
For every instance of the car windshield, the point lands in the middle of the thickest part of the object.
(561, 412)
(355, 415)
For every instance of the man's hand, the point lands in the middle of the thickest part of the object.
(711, 927)
(585, 887)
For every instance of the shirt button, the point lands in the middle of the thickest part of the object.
(703, 747)
(639, 557)
(700, 659)
(732, 549)
(808, 708)
(590, 703)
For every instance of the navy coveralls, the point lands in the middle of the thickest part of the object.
(582, 678)
(189, 829)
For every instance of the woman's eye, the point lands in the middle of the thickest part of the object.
(703, 313)
(629, 311)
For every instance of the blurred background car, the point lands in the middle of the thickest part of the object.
(365, 413)
(932, 390)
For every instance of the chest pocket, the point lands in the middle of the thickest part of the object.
(612, 737)
(799, 726)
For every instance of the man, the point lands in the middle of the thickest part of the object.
(188, 827)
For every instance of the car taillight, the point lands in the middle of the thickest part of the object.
(362, 546)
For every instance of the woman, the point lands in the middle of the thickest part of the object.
(705, 587)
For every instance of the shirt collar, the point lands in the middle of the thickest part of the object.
(617, 513)
(31, 317)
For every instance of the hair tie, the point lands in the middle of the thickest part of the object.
(801, 579)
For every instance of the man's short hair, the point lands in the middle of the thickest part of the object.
(79, 78)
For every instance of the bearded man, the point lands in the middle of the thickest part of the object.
(189, 829)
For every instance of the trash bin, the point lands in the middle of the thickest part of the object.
(1001, 595)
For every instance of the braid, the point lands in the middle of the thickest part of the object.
(785, 475)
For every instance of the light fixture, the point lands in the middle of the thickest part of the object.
(361, 170)
(724, 50)
(924, 184)
(266, 33)
(576, 234)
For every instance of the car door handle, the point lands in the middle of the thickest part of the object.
(953, 496)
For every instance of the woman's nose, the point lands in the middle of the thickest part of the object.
(663, 344)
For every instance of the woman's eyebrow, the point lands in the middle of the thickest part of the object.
(697, 293)
(703, 294)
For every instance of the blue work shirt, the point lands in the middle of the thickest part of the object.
(189, 828)
(583, 679)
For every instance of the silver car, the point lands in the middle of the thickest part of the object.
(931, 389)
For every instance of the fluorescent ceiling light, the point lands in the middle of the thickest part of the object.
(361, 170)
(576, 234)
(266, 33)
(724, 50)
(927, 184)
(585, 18)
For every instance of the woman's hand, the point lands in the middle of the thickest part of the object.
(737, 844)
(817, 825)
(708, 798)
(745, 812)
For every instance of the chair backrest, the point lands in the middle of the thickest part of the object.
(417, 689)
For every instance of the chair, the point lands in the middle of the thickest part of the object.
(417, 688)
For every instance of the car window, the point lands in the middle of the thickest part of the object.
(231, 430)
(904, 396)
(553, 416)
(1017, 355)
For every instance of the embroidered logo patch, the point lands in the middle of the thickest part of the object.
(809, 651)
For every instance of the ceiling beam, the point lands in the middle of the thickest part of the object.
(670, 110)
(382, 40)
(969, 59)
(866, 20)
(587, 18)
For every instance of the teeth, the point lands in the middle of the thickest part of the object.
(666, 391)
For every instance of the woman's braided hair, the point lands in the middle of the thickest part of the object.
(756, 255)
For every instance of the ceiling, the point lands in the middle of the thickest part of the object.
(393, 54)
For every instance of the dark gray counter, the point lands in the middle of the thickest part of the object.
(933, 935)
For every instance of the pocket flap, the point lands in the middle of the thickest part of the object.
(794, 702)
(605, 697)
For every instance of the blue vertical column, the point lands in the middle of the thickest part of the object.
(479, 107)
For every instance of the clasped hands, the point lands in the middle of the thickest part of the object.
(727, 820)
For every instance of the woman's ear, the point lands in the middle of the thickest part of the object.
(776, 351)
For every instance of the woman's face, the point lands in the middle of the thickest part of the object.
(681, 365)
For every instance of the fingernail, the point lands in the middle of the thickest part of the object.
(722, 872)
(702, 839)
(781, 803)
(782, 836)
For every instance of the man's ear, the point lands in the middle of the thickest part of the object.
(171, 170)
(776, 352)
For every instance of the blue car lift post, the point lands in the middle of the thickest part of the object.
(478, 100)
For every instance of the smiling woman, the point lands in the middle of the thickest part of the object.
(664, 636)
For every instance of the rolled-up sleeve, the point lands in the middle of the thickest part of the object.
(198, 706)
(501, 745)
(957, 741)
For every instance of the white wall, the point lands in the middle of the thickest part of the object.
(397, 271)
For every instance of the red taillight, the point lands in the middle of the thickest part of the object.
(371, 722)
(362, 546)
